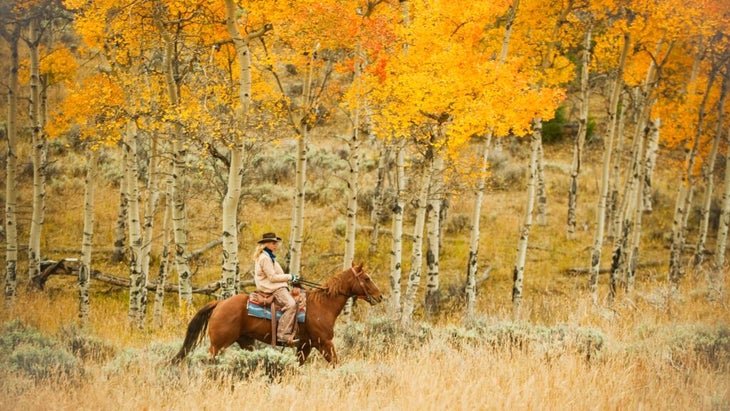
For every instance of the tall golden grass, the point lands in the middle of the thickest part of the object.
(644, 362)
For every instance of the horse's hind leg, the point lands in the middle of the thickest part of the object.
(214, 351)
(246, 343)
(328, 351)
(303, 353)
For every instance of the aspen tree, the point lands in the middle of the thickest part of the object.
(164, 257)
(39, 148)
(396, 253)
(684, 193)
(378, 211)
(233, 190)
(708, 172)
(518, 273)
(616, 86)
(12, 37)
(88, 237)
(717, 272)
(472, 262)
(580, 137)
(120, 229)
(138, 287)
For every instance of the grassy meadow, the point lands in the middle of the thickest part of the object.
(649, 350)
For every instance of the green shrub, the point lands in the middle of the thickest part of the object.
(458, 223)
(553, 130)
(527, 337)
(699, 342)
(42, 361)
(379, 335)
(244, 364)
(86, 347)
(26, 350)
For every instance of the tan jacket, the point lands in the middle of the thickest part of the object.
(268, 274)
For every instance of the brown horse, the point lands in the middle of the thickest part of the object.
(228, 321)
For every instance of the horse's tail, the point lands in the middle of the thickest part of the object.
(196, 331)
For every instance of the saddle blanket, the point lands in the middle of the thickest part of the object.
(260, 311)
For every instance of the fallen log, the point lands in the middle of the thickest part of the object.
(585, 270)
(66, 267)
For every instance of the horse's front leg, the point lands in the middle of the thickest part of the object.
(303, 352)
(328, 351)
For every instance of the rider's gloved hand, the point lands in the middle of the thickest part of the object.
(294, 278)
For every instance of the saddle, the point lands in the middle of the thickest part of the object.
(261, 305)
(267, 299)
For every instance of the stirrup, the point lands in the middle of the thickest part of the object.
(289, 342)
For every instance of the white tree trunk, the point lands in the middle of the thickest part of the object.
(164, 258)
(297, 228)
(120, 230)
(684, 197)
(378, 194)
(518, 273)
(580, 138)
(414, 276)
(148, 223)
(709, 176)
(613, 216)
(541, 189)
(473, 261)
(634, 182)
(396, 255)
(179, 218)
(179, 227)
(137, 286)
(652, 149)
(633, 255)
(434, 235)
(230, 267)
(601, 209)
(38, 155)
(11, 173)
(352, 193)
(88, 237)
(294, 256)
(717, 272)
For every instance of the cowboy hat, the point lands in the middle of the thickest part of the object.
(269, 238)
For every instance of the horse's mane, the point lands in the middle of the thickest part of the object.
(332, 287)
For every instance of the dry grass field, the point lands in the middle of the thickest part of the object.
(648, 351)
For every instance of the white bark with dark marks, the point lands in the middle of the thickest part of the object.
(396, 253)
(580, 137)
(709, 176)
(11, 169)
(597, 249)
(414, 275)
(518, 273)
(38, 155)
(473, 260)
(88, 236)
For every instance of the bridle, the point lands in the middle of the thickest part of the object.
(358, 276)
(360, 281)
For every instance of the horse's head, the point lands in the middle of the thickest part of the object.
(364, 287)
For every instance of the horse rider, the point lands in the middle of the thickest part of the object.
(271, 279)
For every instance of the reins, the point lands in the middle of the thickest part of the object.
(357, 275)
(310, 284)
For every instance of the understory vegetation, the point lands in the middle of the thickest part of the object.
(634, 357)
